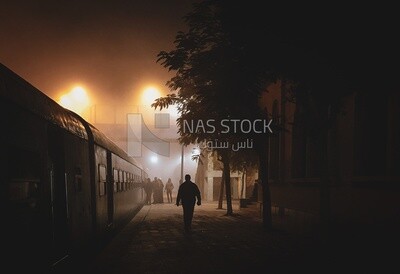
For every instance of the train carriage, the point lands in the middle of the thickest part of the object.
(65, 187)
(118, 188)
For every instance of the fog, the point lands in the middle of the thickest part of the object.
(110, 49)
(157, 148)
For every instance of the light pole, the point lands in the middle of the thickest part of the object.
(182, 156)
(195, 152)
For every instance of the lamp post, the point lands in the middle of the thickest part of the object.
(195, 153)
(182, 156)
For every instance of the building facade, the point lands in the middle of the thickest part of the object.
(363, 154)
(363, 176)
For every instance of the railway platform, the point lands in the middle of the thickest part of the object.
(155, 242)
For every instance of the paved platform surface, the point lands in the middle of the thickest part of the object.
(155, 242)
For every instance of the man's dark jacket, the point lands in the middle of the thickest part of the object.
(187, 193)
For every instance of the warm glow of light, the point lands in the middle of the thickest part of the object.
(66, 101)
(76, 100)
(149, 95)
(79, 95)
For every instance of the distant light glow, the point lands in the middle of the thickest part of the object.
(149, 95)
(66, 101)
(153, 159)
(76, 100)
(79, 95)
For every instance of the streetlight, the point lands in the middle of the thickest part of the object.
(150, 94)
(182, 156)
(195, 156)
(76, 100)
(154, 159)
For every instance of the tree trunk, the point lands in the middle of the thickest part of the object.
(263, 172)
(243, 184)
(227, 172)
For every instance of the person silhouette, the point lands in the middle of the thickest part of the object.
(149, 191)
(188, 192)
(169, 186)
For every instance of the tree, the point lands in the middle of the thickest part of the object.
(232, 50)
(217, 77)
(224, 57)
(325, 56)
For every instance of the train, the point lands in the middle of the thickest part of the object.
(66, 187)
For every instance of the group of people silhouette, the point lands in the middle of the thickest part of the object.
(155, 190)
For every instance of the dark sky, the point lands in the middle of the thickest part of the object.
(108, 46)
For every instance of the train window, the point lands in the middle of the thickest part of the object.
(102, 180)
(116, 180)
(23, 206)
(22, 190)
(123, 181)
(130, 181)
(23, 187)
(119, 180)
(127, 181)
(78, 180)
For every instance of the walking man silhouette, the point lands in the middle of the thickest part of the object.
(188, 192)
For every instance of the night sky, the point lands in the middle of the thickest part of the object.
(109, 47)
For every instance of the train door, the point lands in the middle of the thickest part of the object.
(24, 219)
(58, 184)
(110, 191)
